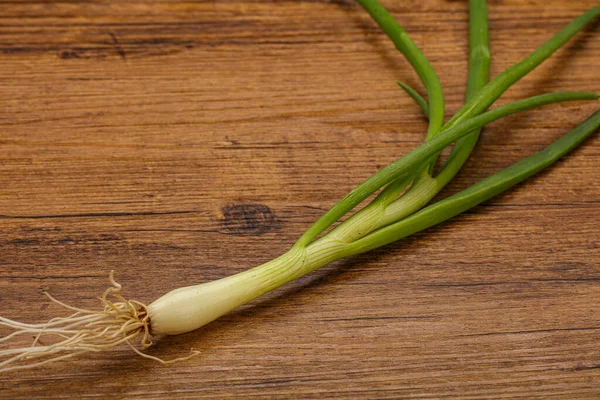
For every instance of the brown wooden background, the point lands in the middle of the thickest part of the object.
(182, 141)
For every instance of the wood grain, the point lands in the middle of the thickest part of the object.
(179, 142)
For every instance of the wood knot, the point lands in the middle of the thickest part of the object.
(66, 54)
(248, 219)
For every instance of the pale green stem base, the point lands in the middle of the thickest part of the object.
(188, 308)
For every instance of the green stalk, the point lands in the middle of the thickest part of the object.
(421, 102)
(479, 74)
(415, 57)
(479, 48)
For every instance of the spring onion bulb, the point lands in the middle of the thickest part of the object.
(401, 207)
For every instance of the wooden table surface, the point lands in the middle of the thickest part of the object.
(177, 142)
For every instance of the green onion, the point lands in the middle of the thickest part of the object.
(403, 188)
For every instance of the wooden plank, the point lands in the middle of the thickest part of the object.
(179, 142)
